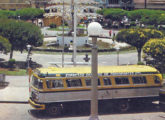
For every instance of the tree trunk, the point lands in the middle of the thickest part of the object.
(11, 53)
(139, 54)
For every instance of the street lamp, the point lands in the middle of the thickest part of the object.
(19, 17)
(118, 49)
(63, 36)
(28, 59)
(94, 30)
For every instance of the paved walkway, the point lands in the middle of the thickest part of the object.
(17, 90)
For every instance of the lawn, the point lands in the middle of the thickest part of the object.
(16, 72)
(163, 76)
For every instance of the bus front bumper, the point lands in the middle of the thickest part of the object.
(36, 105)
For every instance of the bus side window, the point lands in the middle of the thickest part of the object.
(156, 79)
(88, 81)
(99, 81)
(57, 83)
(107, 81)
(48, 83)
(121, 80)
(35, 82)
(74, 82)
(40, 84)
(139, 80)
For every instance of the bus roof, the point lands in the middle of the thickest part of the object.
(141, 69)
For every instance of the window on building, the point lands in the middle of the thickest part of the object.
(121, 80)
(139, 80)
(113, 1)
(54, 10)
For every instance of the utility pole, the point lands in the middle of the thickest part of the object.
(72, 13)
(145, 4)
(63, 36)
(74, 30)
(75, 35)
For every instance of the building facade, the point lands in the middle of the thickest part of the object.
(14, 4)
(132, 4)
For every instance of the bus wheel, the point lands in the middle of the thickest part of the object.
(123, 106)
(54, 109)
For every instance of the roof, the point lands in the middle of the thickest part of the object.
(109, 70)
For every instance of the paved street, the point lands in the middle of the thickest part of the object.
(103, 59)
(25, 112)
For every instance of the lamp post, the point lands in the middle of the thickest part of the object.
(28, 48)
(118, 49)
(94, 30)
(19, 17)
(63, 36)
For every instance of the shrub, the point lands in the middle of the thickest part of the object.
(52, 25)
(140, 63)
(154, 51)
(11, 64)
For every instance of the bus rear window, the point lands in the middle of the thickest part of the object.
(74, 82)
(139, 80)
(121, 80)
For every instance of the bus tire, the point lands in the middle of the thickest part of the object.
(123, 106)
(54, 109)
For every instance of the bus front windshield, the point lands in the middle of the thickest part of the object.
(37, 83)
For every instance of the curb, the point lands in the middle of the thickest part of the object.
(20, 102)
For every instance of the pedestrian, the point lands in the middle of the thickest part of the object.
(110, 33)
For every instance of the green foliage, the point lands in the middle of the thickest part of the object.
(30, 13)
(20, 33)
(5, 45)
(18, 72)
(7, 14)
(52, 25)
(114, 14)
(11, 63)
(140, 63)
(161, 19)
(154, 51)
(145, 16)
(137, 37)
(25, 14)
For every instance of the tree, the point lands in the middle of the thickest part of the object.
(5, 45)
(20, 33)
(137, 37)
(114, 14)
(154, 51)
(30, 13)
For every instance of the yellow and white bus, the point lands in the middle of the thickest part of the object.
(58, 89)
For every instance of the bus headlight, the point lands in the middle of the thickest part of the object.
(34, 96)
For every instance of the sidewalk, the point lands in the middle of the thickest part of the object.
(17, 90)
